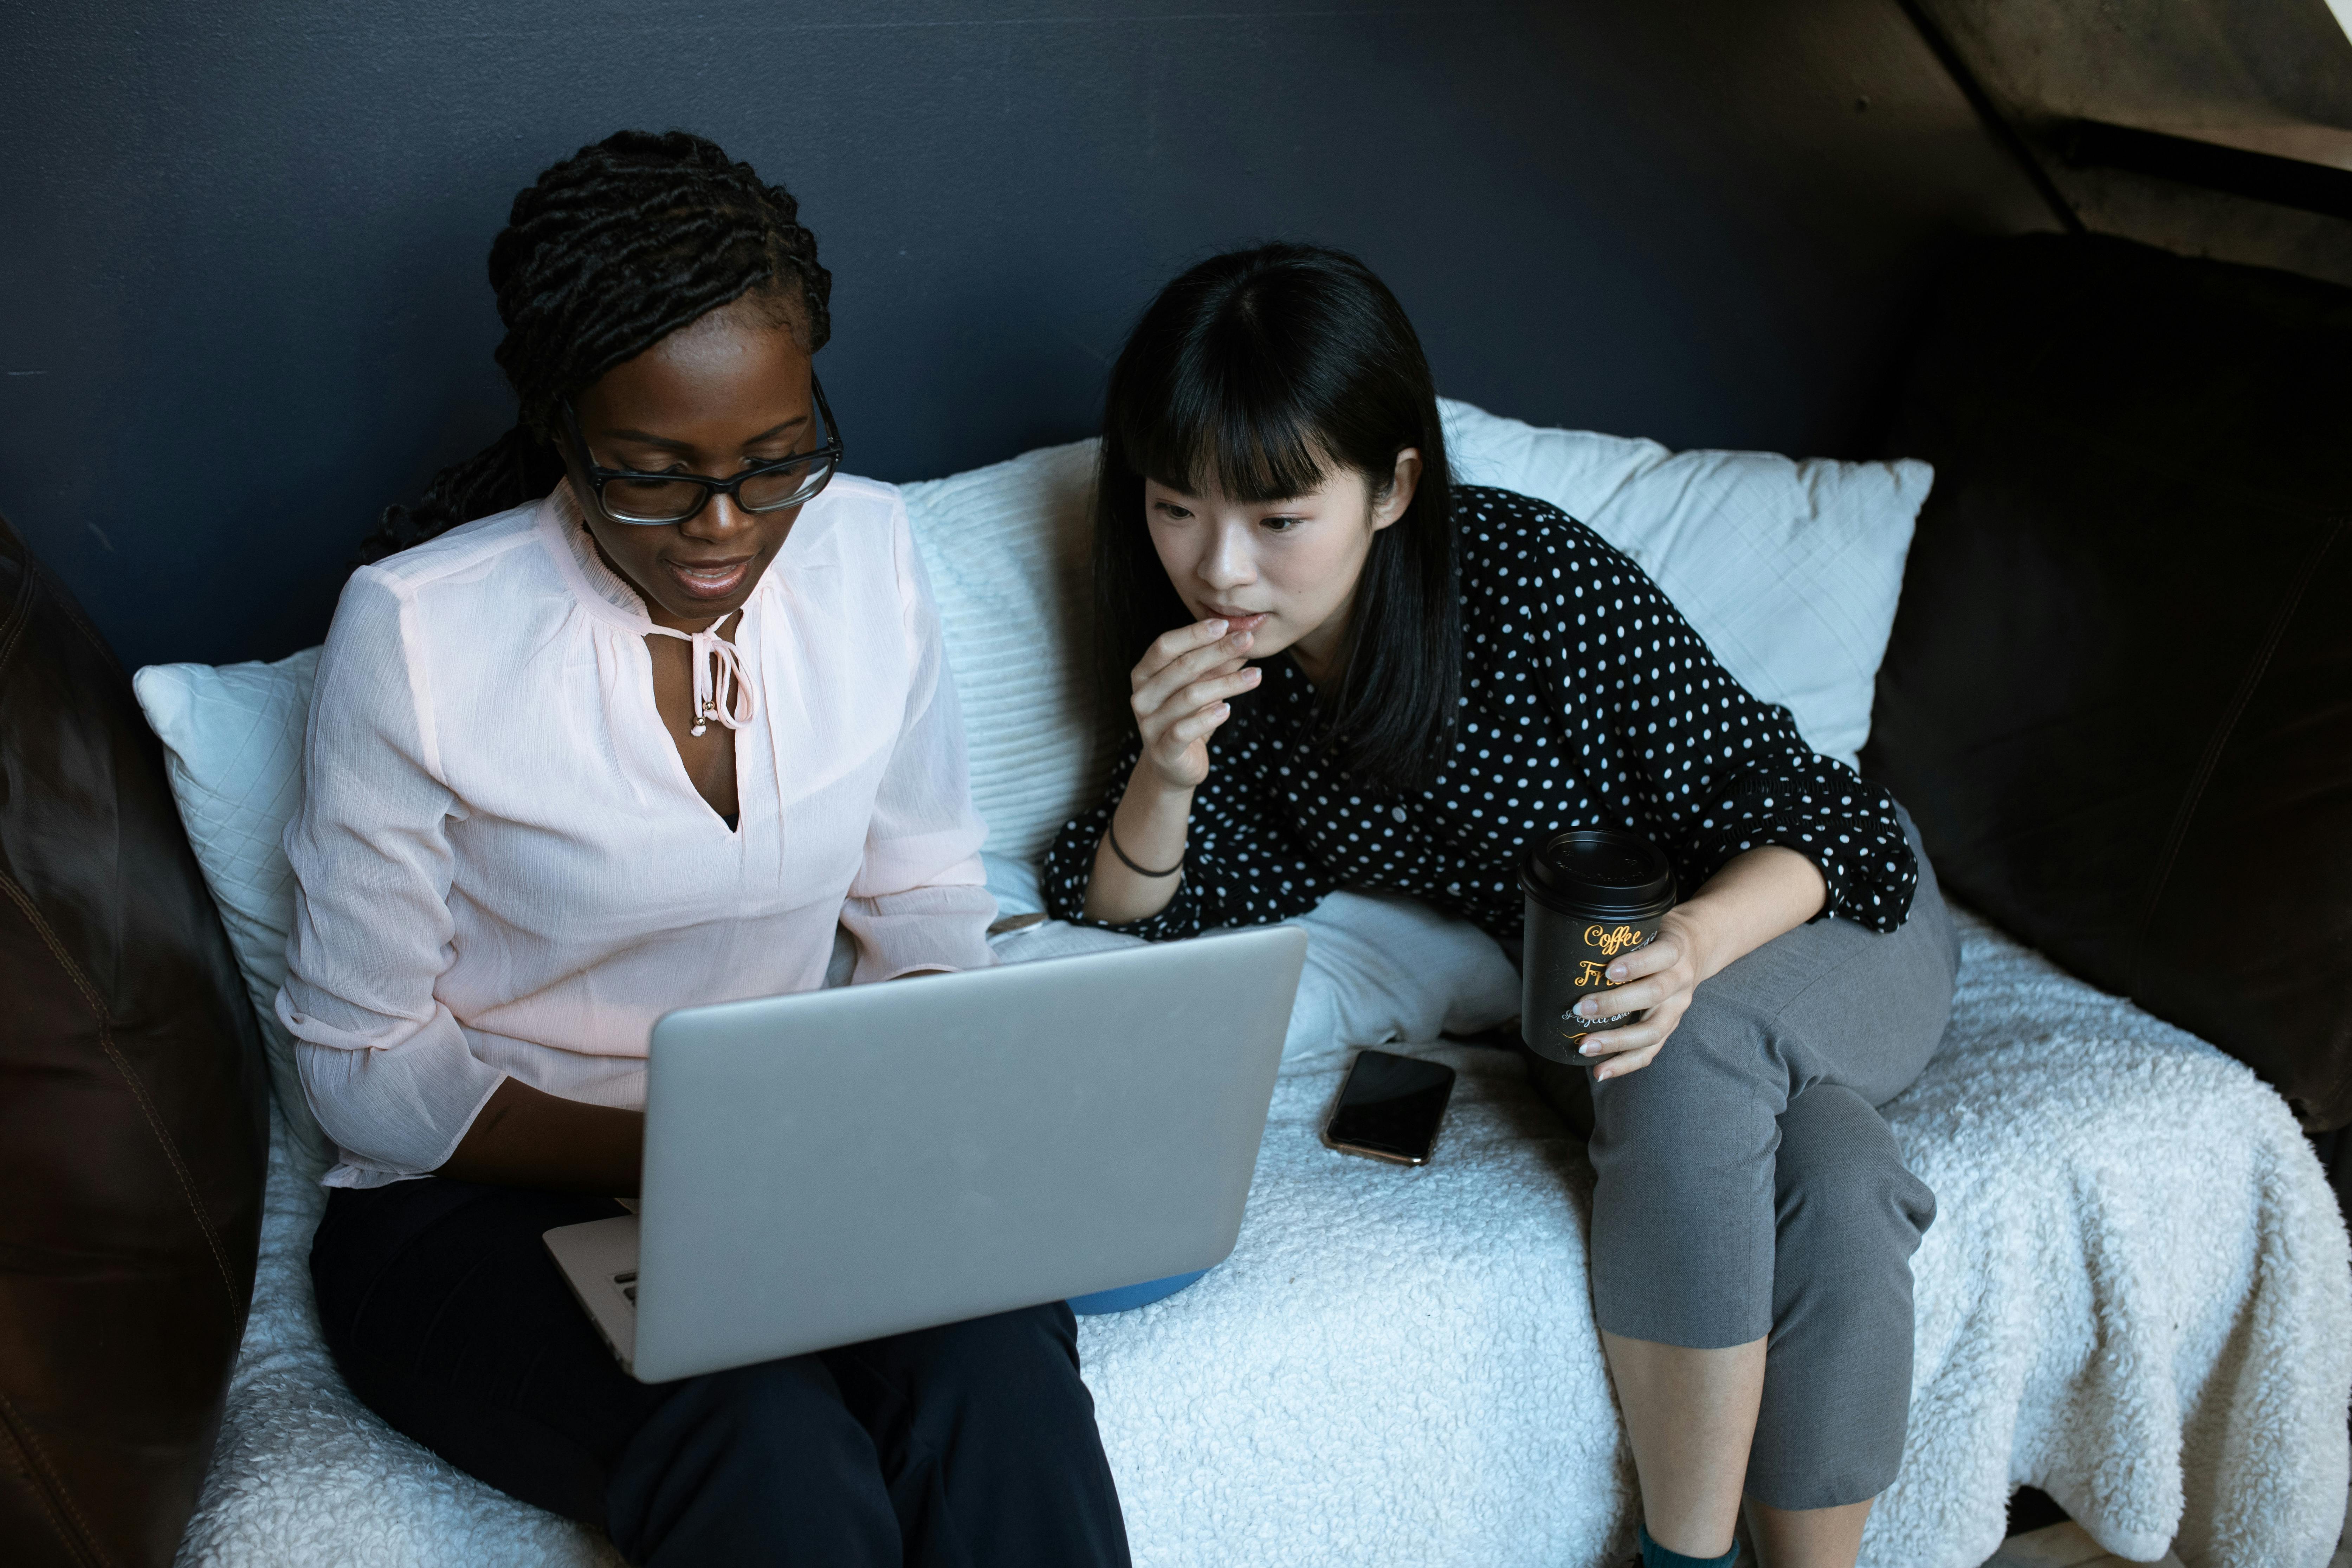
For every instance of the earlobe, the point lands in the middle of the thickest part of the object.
(1402, 484)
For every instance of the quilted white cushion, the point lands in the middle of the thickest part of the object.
(232, 739)
(1789, 570)
(1006, 547)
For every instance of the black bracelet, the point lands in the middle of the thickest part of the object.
(1110, 836)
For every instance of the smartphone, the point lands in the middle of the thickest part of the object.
(1390, 1107)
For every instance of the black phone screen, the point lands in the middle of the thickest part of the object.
(1391, 1107)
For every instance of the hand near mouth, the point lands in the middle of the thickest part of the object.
(1181, 685)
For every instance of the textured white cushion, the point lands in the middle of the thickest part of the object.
(232, 739)
(1789, 570)
(1006, 547)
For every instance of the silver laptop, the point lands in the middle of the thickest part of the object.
(837, 1165)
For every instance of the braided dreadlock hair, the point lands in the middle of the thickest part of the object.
(604, 255)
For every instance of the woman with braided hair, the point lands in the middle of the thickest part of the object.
(589, 742)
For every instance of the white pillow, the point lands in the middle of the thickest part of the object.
(233, 751)
(1006, 547)
(1789, 570)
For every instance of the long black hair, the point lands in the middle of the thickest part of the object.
(604, 255)
(1254, 373)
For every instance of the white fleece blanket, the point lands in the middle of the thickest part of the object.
(2136, 1297)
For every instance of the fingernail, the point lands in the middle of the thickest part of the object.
(1588, 1008)
(1589, 1048)
(1220, 625)
(1251, 674)
(1616, 972)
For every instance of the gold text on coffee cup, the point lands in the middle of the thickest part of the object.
(1613, 940)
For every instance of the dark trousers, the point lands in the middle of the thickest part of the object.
(957, 1447)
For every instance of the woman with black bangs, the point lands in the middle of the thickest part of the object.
(1346, 670)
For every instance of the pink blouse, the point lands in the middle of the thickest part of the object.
(503, 869)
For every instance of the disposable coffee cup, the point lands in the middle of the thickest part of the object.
(1592, 896)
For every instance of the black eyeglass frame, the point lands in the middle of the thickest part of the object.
(829, 455)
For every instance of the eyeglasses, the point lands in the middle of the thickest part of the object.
(650, 501)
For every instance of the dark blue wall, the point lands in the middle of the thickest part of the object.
(241, 294)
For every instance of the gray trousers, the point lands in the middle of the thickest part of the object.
(1747, 1186)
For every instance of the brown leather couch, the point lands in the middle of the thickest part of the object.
(133, 1112)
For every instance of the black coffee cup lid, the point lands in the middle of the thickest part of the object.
(1601, 871)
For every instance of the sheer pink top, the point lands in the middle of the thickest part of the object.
(503, 869)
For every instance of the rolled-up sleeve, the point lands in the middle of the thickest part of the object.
(920, 900)
(384, 1064)
(1715, 770)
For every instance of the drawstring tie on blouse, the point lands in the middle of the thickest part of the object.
(720, 690)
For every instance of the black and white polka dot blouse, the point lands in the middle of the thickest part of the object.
(1588, 702)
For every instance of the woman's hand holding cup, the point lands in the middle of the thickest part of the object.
(1655, 980)
(1181, 686)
